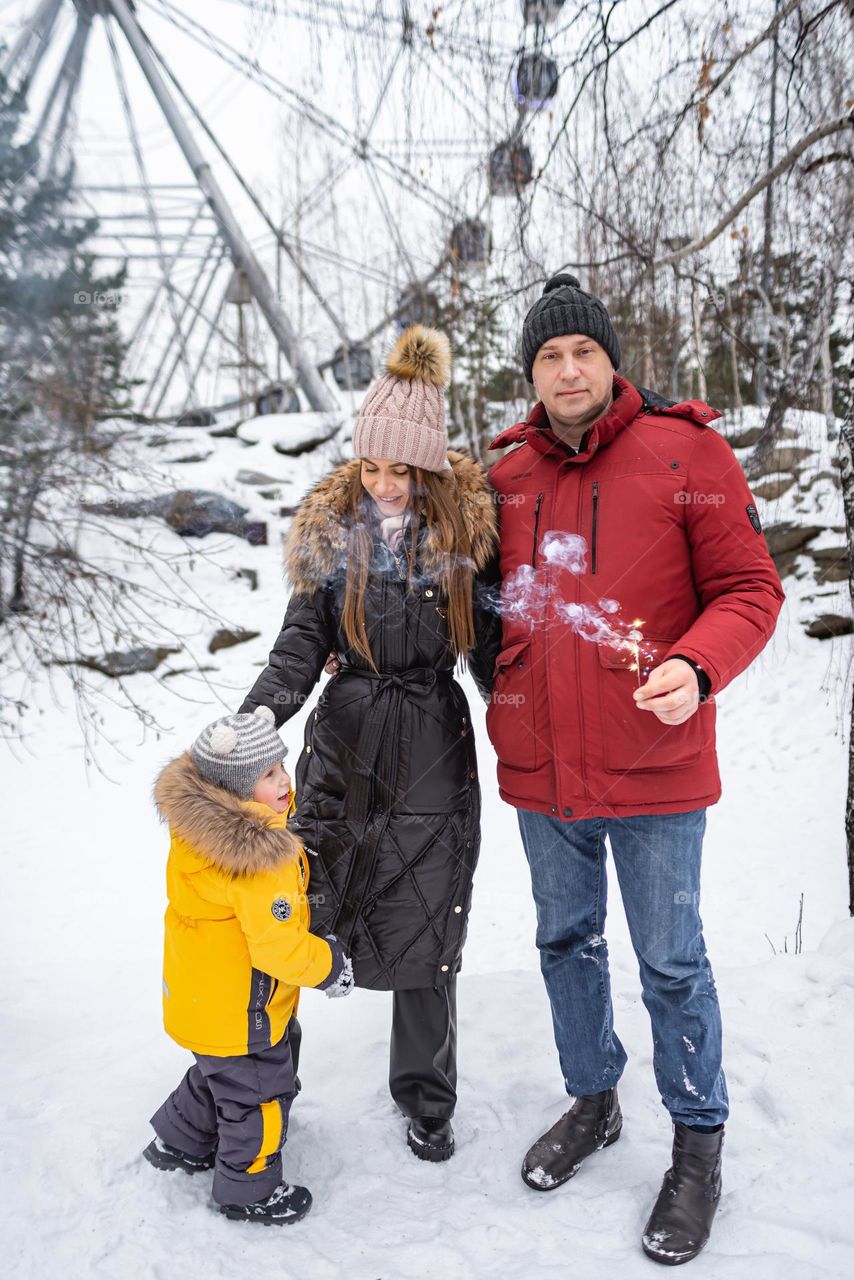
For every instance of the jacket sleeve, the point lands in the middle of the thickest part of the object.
(284, 948)
(297, 658)
(735, 578)
(486, 591)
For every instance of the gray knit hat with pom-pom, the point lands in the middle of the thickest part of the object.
(565, 309)
(235, 750)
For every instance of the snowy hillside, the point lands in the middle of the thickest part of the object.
(85, 1060)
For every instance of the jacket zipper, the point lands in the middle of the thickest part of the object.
(537, 506)
(593, 553)
(579, 683)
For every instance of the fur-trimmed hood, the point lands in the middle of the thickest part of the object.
(235, 835)
(317, 543)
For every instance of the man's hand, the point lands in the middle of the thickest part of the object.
(671, 692)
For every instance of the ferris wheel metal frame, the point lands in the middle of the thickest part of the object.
(211, 232)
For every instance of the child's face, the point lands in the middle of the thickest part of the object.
(273, 788)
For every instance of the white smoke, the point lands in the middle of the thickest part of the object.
(527, 596)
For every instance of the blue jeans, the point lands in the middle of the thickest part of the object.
(657, 857)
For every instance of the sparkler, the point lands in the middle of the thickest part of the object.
(635, 638)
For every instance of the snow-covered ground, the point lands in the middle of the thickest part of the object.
(85, 1061)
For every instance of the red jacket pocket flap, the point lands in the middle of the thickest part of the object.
(511, 654)
(649, 653)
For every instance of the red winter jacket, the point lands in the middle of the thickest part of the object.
(673, 536)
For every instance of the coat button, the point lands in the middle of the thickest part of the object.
(554, 809)
(457, 910)
(429, 594)
(444, 968)
(308, 751)
(567, 813)
(472, 775)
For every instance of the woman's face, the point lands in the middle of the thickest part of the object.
(388, 483)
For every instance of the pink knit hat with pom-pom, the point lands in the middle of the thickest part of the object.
(402, 418)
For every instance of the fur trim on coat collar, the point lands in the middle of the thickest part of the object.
(217, 825)
(317, 543)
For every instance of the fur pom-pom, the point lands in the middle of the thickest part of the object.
(222, 740)
(424, 354)
(265, 713)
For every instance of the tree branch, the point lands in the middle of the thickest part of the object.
(823, 131)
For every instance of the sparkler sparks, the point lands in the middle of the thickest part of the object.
(635, 639)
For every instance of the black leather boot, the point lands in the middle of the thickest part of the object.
(431, 1138)
(681, 1219)
(592, 1122)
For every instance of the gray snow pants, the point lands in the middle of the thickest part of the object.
(238, 1106)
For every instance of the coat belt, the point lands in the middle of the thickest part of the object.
(381, 724)
(383, 718)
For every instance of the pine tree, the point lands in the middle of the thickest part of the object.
(60, 351)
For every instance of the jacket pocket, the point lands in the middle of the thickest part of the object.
(636, 741)
(510, 719)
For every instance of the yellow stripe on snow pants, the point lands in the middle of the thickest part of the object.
(271, 1135)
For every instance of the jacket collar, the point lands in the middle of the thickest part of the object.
(237, 836)
(316, 546)
(629, 401)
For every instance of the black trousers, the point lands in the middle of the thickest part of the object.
(423, 1051)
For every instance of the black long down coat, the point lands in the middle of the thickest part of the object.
(387, 787)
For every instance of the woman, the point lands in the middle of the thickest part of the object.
(392, 560)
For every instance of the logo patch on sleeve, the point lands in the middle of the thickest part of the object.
(753, 517)
(281, 909)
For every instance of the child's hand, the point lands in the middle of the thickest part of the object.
(343, 984)
(333, 666)
(340, 981)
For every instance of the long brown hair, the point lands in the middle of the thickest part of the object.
(432, 501)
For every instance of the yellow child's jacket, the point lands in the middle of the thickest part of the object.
(237, 946)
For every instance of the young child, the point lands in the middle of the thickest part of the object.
(237, 950)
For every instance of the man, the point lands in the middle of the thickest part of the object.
(602, 717)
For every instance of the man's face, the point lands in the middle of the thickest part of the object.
(573, 376)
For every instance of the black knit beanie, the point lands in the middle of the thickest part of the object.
(563, 309)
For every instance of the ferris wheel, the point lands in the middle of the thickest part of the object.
(400, 146)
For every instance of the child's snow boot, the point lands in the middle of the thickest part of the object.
(162, 1156)
(284, 1205)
